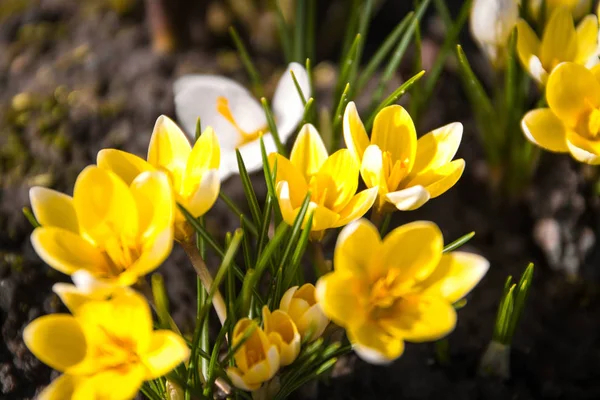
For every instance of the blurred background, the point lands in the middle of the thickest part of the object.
(77, 76)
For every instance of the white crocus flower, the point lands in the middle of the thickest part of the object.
(237, 117)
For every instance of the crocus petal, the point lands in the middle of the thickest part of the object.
(169, 149)
(266, 369)
(166, 351)
(205, 195)
(117, 384)
(66, 251)
(338, 178)
(528, 47)
(571, 89)
(57, 340)
(350, 255)
(357, 207)
(455, 276)
(438, 181)
(339, 294)
(559, 42)
(355, 134)
(544, 128)
(420, 318)
(282, 332)
(205, 155)
(67, 387)
(105, 206)
(126, 316)
(236, 376)
(196, 97)
(124, 164)
(408, 199)
(287, 172)
(371, 169)
(587, 39)
(52, 208)
(155, 203)
(437, 148)
(374, 345)
(323, 218)
(394, 132)
(151, 258)
(288, 211)
(251, 154)
(309, 152)
(582, 149)
(422, 244)
(86, 288)
(287, 104)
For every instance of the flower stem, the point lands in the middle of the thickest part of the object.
(322, 266)
(376, 217)
(205, 277)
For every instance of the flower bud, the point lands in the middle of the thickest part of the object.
(301, 305)
(282, 332)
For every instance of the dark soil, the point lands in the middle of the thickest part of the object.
(76, 77)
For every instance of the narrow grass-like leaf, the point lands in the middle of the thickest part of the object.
(30, 217)
(363, 27)
(263, 238)
(520, 299)
(336, 132)
(248, 189)
(298, 252)
(198, 130)
(272, 126)
(311, 29)
(161, 300)
(299, 34)
(247, 61)
(382, 52)
(248, 225)
(232, 350)
(308, 108)
(214, 358)
(346, 67)
(392, 98)
(458, 242)
(284, 33)
(298, 88)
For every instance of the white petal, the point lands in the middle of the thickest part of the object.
(287, 104)
(408, 199)
(196, 96)
(252, 155)
(85, 282)
(371, 356)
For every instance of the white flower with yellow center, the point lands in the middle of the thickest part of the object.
(237, 117)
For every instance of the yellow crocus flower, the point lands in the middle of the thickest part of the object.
(257, 360)
(300, 303)
(571, 123)
(193, 171)
(401, 288)
(281, 330)
(117, 232)
(331, 180)
(560, 42)
(106, 349)
(407, 171)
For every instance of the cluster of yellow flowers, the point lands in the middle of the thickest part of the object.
(123, 218)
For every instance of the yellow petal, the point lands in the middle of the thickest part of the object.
(544, 128)
(355, 247)
(337, 180)
(559, 42)
(582, 149)
(166, 351)
(205, 155)
(571, 90)
(68, 387)
(151, 258)
(57, 340)
(438, 181)
(340, 296)
(414, 250)
(323, 218)
(355, 134)
(420, 318)
(105, 206)
(52, 208)
(408, 199)
(374, 345)
(371, 169)
(72, 297)
(309, 152)
(437, 148)
(125, 316)
(455, 276)
(394, 132)
(155, 203)
(357, 207)
(287, 172)
(66, 251)
(169, 149)
(117, 383)
(264, 370)
(528, 47)
(124, 164)
(236, 376)
(587, 39)
(205, 194)
(282, 332)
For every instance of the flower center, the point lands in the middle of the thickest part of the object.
(253, 357)
(393, 171)
(120, 255)
(118, 352)
(245, 137)
(589, 122)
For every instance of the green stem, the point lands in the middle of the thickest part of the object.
(322, 266)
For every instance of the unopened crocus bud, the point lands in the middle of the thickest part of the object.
(492, 22)
(282, 331)
(301, 305)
